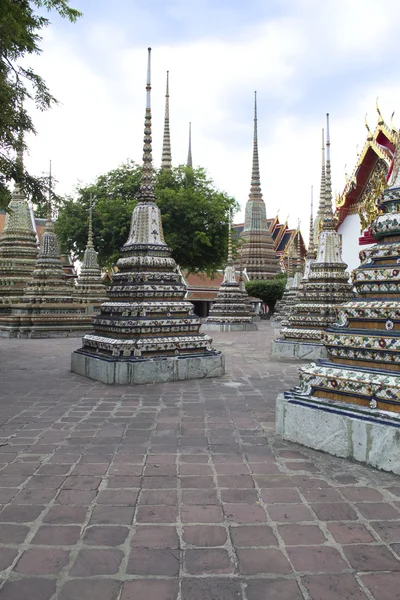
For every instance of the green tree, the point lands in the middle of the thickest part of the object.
(269, 291)
(20, 26)
(194, 214)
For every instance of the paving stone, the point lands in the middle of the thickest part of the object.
(389, 531)
(97, 562)
(330, 511)
(65, 514)
(150, 589)
(204, 535)
(7, 557)
(350, 533)
(161, 497)
(153, 536)
(154, 561)
(40, 561)
(290, 513)
(87, 589)
(57, 535)
(13, 534)
(201, 514)
(253, 535)
(280, 589)
(157, 514)
(285, 495)
(208, 561)
(377, 510)
(215, 588)
(112, 515)
(29, 587)
(316, 559)
(108, 535)
(333, 587)
(244, 513)
(120, 497)
(20, 514)
(199, 497)
(258, 561)
(371, 558)
(383, 586)
(299, 535)
(76, 497)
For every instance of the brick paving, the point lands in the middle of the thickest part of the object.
(180, 491)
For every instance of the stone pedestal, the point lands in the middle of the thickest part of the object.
(158, 370)
(229, 327)
(345, 430)
(302, 350)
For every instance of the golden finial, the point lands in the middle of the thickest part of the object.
(381, 121)
(392, 127)
(370, 136)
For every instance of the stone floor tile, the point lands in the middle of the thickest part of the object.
(150, 589)
(41, 561)
(244, 513)
(278, 589)
(64, 514)
(13, 534)
(361, 494)
(245, 536)
(371, 558)
(231, 468)
(29, 587)
(112, 515)
(201, 514)
(76, 497)
(316, 559)
(81, 482)
(7, 557)
(34, 496)
(154, 561)
(255, 561)
(161, 497)
(383, 586)
(7, 493)
(350, 533)
(199, 497)
(57, 535)
(249, 496)
(204, 535)
(300, 535)
(154, 536)
(159, 483)
(334, 511)
(377, 510)
(88, 589)
(273, 481)
(208, 561)
(322, 495)
(286, 495)
(106, 535)
(290, 513)
(157, 514)
(118, 497)
(211, 588)
(20, 513)
(389, 531)
(96, 562)
(333, 587)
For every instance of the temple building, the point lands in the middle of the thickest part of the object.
(147, 331)
(256, 249)
(18, 246)
(349, 405)
(356, 206)
(231, 310)
(90, 288)
(326, 286)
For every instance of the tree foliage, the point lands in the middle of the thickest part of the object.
(20, 26)
(269, 291)
(194, 216)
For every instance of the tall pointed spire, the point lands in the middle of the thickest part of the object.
(321, 206)
(49, 199)
(90, 228)
(189, 158)
(230, 258)
(255, 189)
(166, 161)
(311, 253)
(328, 181)
(146, 191)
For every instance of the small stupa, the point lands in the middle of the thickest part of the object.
(325, 288)
(349, 405)
(18, 245)
(47, 307)
(166, 159)
(90, 288)
(147, 332)
(295, 274)
(231, 310)
(257, 248)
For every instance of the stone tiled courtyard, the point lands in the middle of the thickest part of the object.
(179, 491)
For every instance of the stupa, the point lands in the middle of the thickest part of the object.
(257, 247)
(349, 405)
(90, 288)
(291, 294)
(147, 332)
(231, 310)
(325, 288)
(18, 246)
(166, 160)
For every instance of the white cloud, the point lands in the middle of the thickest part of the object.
(100, 80)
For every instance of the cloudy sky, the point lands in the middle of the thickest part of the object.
(304, 58)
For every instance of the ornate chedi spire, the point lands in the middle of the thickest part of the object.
(350, 403)
(231, 310)
(48, 308)
(321, 212)
(147, 332)
(18, 245)
(257, 251)
(189, 162)
(311, 251)
(166, 161)
(90, 288)
(326, 287)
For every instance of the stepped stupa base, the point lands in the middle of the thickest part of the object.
(17, 332)
(116, 371)
(297, 350)
(362, 434)
(229, 327)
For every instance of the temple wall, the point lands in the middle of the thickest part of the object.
(350, 231)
